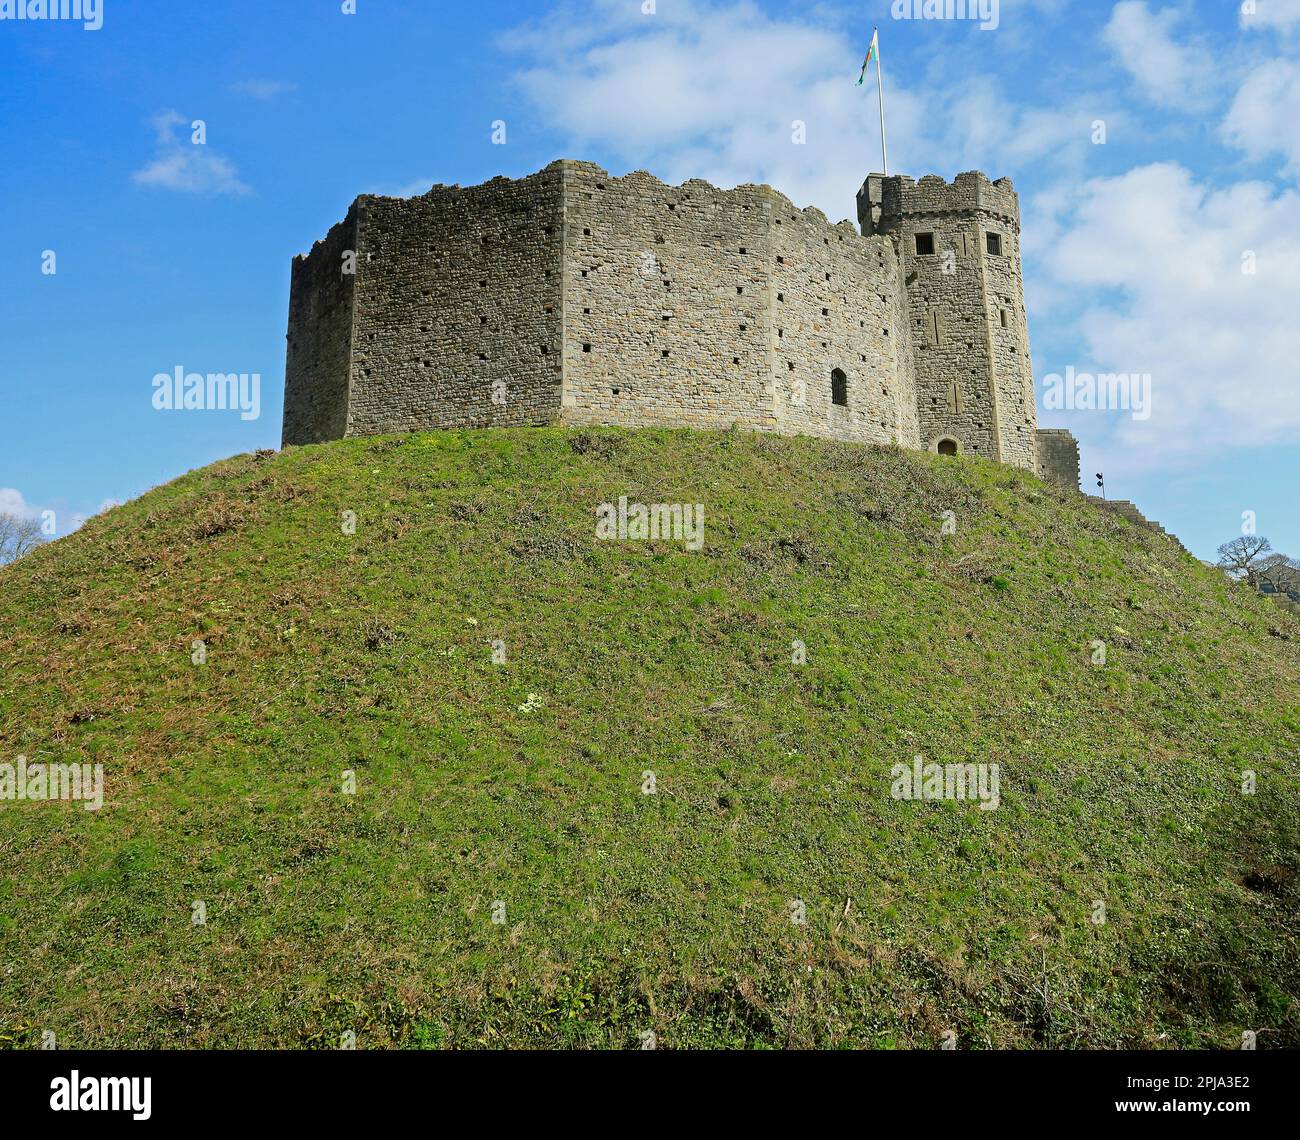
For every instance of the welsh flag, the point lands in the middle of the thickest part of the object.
(872, 49)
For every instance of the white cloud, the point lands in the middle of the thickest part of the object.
(686, 72)
(712, 90)
(263, 90)
(13, 503)
(1155, 262)
(569, 27)
(411, 189)
(1283, 14)
(1264, 115)
(1169, 72)
(1143, 270)
(178, 164)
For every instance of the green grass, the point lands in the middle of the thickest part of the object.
(627, 912)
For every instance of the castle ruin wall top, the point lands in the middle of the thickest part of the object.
(888, 198)
(575, 296)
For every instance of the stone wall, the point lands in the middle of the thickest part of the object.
(577, 297)
(319, 344)
(838, 304)
(698, 306)
(456, 317)
(1058, 457)
(666, 302)
(1013, 378)
(968, 332)
(1128, 510)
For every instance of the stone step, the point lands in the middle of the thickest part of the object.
(1130, 511)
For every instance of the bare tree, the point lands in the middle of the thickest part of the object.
(1242, 557)
(1280, 575)
(18, 535)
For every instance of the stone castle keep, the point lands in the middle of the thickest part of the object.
(573, 297)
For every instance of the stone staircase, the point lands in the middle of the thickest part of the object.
(1130, 512)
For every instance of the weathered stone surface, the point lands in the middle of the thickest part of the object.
(1058, 457)
(577, 297)
(969, 334)
(318, 358)
(1128, 510)
(698, 306)
(457, 314)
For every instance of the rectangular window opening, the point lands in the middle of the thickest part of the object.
(839, 388)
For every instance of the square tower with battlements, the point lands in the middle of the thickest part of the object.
(958, 246)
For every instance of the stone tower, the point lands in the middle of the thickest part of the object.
(572, 296)
(959, 250)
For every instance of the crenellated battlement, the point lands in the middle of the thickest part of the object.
(885, 201)
(572, 295)
(701, 193)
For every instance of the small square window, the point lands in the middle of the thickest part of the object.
(924, 244)
(586, 348)
(993, 242)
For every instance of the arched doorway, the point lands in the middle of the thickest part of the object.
(947, 447)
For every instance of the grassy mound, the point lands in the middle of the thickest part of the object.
(507, 872)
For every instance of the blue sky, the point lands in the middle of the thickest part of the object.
(172, 254)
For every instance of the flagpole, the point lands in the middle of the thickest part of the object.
(880, 91)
